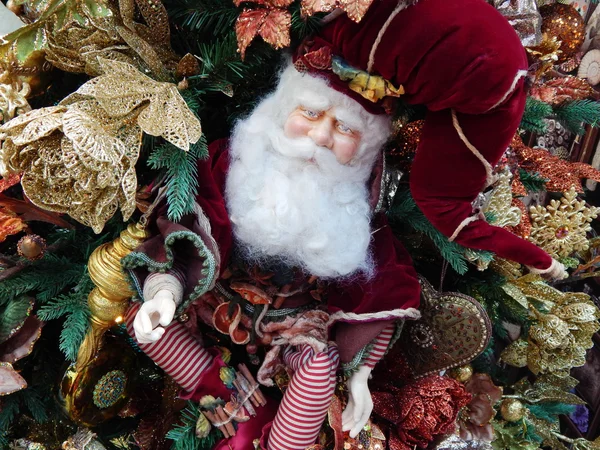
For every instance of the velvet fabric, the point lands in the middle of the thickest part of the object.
(459, 55)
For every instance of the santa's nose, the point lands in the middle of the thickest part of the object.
(322, 133)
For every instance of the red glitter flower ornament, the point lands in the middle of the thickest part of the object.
(428, 408)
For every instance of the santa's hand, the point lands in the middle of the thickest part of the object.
(160, 310)
(360, 403)
(556, 271)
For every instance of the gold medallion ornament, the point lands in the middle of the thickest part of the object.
(79, 157)
(560, 228)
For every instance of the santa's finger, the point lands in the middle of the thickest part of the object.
(145, 322)
(359, 407)
(157, 334)
(347, 414)
(167, 314)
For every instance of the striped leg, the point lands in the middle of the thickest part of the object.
(380, 345)
(176, 352)
(306, 401)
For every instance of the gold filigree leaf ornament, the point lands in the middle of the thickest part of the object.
(79, 157)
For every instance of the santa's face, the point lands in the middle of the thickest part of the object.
(332, 128)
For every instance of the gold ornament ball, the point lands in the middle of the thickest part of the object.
(512, 410)
(462, 374)
(564, 22)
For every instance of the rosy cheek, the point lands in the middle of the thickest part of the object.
(296, 126)
(345, 149)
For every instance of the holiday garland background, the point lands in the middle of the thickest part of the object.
(541, 329)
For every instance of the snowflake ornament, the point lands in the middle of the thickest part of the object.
(560, 227)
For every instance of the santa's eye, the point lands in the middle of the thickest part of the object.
(343, 128)
(311, 114)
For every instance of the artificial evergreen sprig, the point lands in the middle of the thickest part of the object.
(570, 114)
(184, 436)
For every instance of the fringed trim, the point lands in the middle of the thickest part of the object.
(520, 74)
(490, 178)
(341, 316)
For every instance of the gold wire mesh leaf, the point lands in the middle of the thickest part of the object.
(122, 88)
(17, 124)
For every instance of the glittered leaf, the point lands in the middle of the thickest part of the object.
(21, 344)
(269, 4)
(515, 354)
(9, 181)
(516, 294)
(310, 7)
(10, 380)
(247, 26)
(356, 9)
(562, 89)
(275, 29)
(10, 224)
(13, 316)
(122, 89)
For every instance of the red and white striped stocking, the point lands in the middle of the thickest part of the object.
(380, 345)
(176, 352)
(306, 401)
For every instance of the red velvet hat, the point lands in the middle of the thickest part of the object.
(462, 60)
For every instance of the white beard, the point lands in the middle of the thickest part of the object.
(313, 215)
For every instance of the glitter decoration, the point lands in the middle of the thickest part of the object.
(512, 409)
(559, 339)
(498, 204)
(81, 154)
(561, 175)
(453, 330)
(560, 228)
(109, 389)
(564, 22)
(13, 100)
(407, 138)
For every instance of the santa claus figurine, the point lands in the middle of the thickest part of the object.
(286, 249)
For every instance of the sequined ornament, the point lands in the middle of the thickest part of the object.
(31, 247)
(561, 227)
(461, 374)
(512, 409)
(452, 331)
(13, 100)
(81, 154)
(561, 174)
(559, 338)
(109, 388)
(564, 22)
(407, 138)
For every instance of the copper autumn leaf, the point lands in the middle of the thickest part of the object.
(273, 25)
(356, 9)
(269, 4)
(559, 90)
(10, 224)
(310, 7)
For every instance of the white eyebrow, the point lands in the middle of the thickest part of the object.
(313, 101)
(349, 118)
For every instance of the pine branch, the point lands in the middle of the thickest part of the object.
(184, 436)
(535, 113)
(210, 17)
(9, 410)
(13, 315)
(34, 402)
(574, 113)
(182, 172)
(406, 211)
(533, 182)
